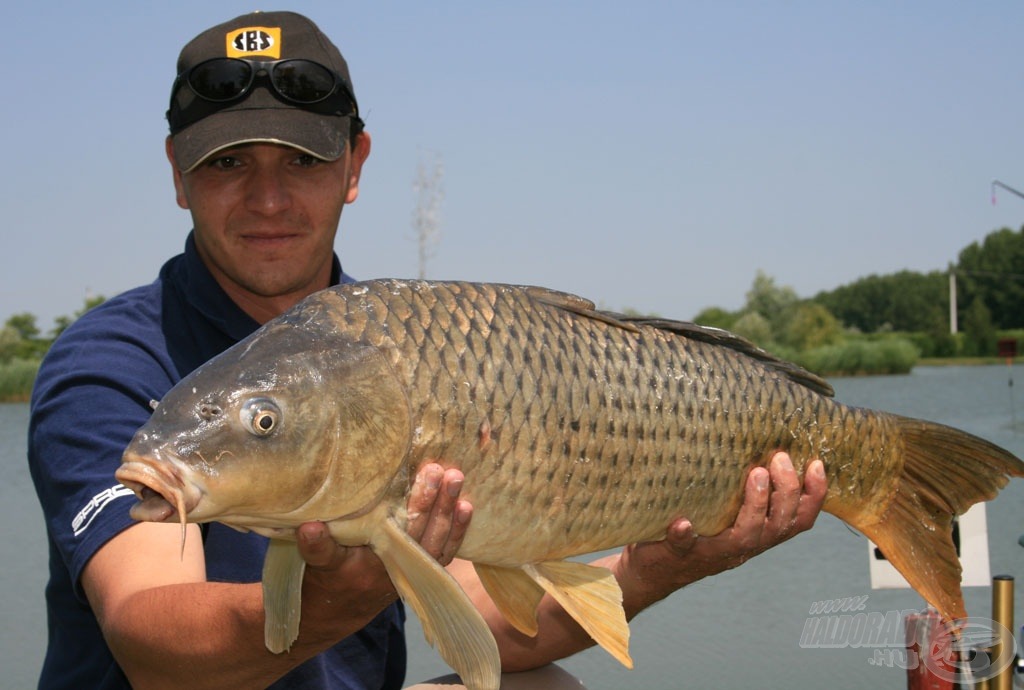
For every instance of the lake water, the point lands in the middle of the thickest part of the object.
(739, 629)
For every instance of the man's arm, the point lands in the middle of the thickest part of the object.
(168, 627)
(775, 508)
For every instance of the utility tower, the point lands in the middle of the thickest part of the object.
(426, 218)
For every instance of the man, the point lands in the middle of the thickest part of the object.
(266, 148)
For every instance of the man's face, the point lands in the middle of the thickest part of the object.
(265, 218)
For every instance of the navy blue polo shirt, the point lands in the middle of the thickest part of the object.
(92, 393)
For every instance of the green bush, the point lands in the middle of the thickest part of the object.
(860, 357)
(934, 344)
(16, 379)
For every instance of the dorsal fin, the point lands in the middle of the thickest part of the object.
(686, 329)
(723, 338)
(579, 306)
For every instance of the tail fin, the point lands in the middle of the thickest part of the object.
(945, 472)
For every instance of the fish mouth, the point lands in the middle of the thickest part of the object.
(163, 492)
(153, 507)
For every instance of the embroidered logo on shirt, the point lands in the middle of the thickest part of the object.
(97, 503)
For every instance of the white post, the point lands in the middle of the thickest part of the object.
(952, 300)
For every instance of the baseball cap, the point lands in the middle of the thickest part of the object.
(260, 113)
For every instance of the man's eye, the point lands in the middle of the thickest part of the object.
(307, 161)
(225, 162)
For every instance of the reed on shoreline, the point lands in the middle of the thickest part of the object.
(861, 358)
(16, 379)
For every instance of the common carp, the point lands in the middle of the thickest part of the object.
(577, 430)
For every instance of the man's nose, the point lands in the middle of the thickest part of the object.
(267, 192)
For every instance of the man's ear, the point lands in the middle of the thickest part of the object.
(360, 152)
(179, 187)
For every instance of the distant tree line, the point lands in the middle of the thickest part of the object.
(989, 279)
(21, 338)
(989, 282)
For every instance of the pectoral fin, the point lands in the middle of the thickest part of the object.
(448, 617)
(592, 597)
(514, 593)
(282, 594)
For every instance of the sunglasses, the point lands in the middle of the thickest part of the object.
(220, 82)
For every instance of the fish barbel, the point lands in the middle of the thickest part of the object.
(577, 430)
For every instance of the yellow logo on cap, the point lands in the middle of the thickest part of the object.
(254, 40)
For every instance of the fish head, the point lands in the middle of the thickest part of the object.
(296, 423)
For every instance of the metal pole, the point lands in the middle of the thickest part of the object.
(997, 183)
(427, 216)
(1013, 411)
(1002, 613)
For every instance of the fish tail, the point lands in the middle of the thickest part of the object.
(945, 471)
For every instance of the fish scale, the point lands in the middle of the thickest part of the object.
(592, 375)
(577, 430)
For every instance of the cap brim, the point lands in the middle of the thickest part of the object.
(322, 136)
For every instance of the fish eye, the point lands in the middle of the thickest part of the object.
(260, 416)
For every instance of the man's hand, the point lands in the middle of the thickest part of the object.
(775, 507)
(437, 518)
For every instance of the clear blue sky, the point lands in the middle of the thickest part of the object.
(652, 155)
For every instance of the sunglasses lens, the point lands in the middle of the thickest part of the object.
(222, 79)
(302, 81)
